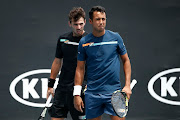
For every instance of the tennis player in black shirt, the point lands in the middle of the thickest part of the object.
(66, 61)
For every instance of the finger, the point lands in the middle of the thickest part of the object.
(53, 94)
(47, 95)
(82, 104)
(128, 96)
(79, 108)
(123, 90)
(76, 106)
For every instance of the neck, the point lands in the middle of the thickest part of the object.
(98, 33)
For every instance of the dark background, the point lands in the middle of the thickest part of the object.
(150, 28)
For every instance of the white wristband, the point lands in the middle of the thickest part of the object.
(77, 90)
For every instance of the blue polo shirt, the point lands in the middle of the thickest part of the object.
(102, 59)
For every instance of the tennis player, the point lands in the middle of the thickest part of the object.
(101, 51)
(66, 61)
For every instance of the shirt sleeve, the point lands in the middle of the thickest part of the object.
(59, 53)
(121, 47)
(81, 52)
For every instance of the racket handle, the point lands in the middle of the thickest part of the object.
(133, 83)
(48, 100)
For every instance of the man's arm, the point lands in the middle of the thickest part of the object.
(127, 72)
(79, 77)
(56, 65)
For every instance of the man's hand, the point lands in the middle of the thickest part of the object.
(50, 91)
(78, 103)
(127, 90)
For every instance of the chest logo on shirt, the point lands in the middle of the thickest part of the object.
(68, 42)
(100, 43)
(88, 44)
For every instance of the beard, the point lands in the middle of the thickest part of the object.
(78, 32)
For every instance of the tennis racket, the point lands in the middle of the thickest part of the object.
(43, 114)
(119, 101)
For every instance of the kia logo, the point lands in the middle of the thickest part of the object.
(29, 82)
(166, 86)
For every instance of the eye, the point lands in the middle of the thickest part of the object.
(103, 19)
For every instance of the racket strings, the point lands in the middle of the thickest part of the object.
(119, 103)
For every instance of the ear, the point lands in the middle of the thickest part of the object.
(90, 21)
(69, 24)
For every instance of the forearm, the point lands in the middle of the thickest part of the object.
(79, 75)
(55, 68)
(56, 65)
(127, 68)
(127, 72)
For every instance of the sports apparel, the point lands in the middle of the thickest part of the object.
(102, 59)
(97, 104)
(67, 47)
(51, 82)
(77, 90)
(62, 104)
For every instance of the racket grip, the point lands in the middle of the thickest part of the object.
(48, 100)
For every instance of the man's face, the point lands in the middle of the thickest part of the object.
(99, 21)
(78, 26)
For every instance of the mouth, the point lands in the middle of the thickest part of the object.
(78, 31)
(101, 26)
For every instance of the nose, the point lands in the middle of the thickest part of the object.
(78, 26)
(101, 21)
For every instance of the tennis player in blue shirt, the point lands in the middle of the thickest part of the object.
(101, 51)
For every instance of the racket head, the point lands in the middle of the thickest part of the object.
(119, 103)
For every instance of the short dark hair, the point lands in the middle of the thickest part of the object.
(96, 8)
(76, 13)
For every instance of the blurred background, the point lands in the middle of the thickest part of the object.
(29, 30)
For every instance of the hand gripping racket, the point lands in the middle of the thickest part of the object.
(119, 101)
(42, 116)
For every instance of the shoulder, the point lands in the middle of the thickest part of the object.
(111, 33)
(114, 35)
(65, 35)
